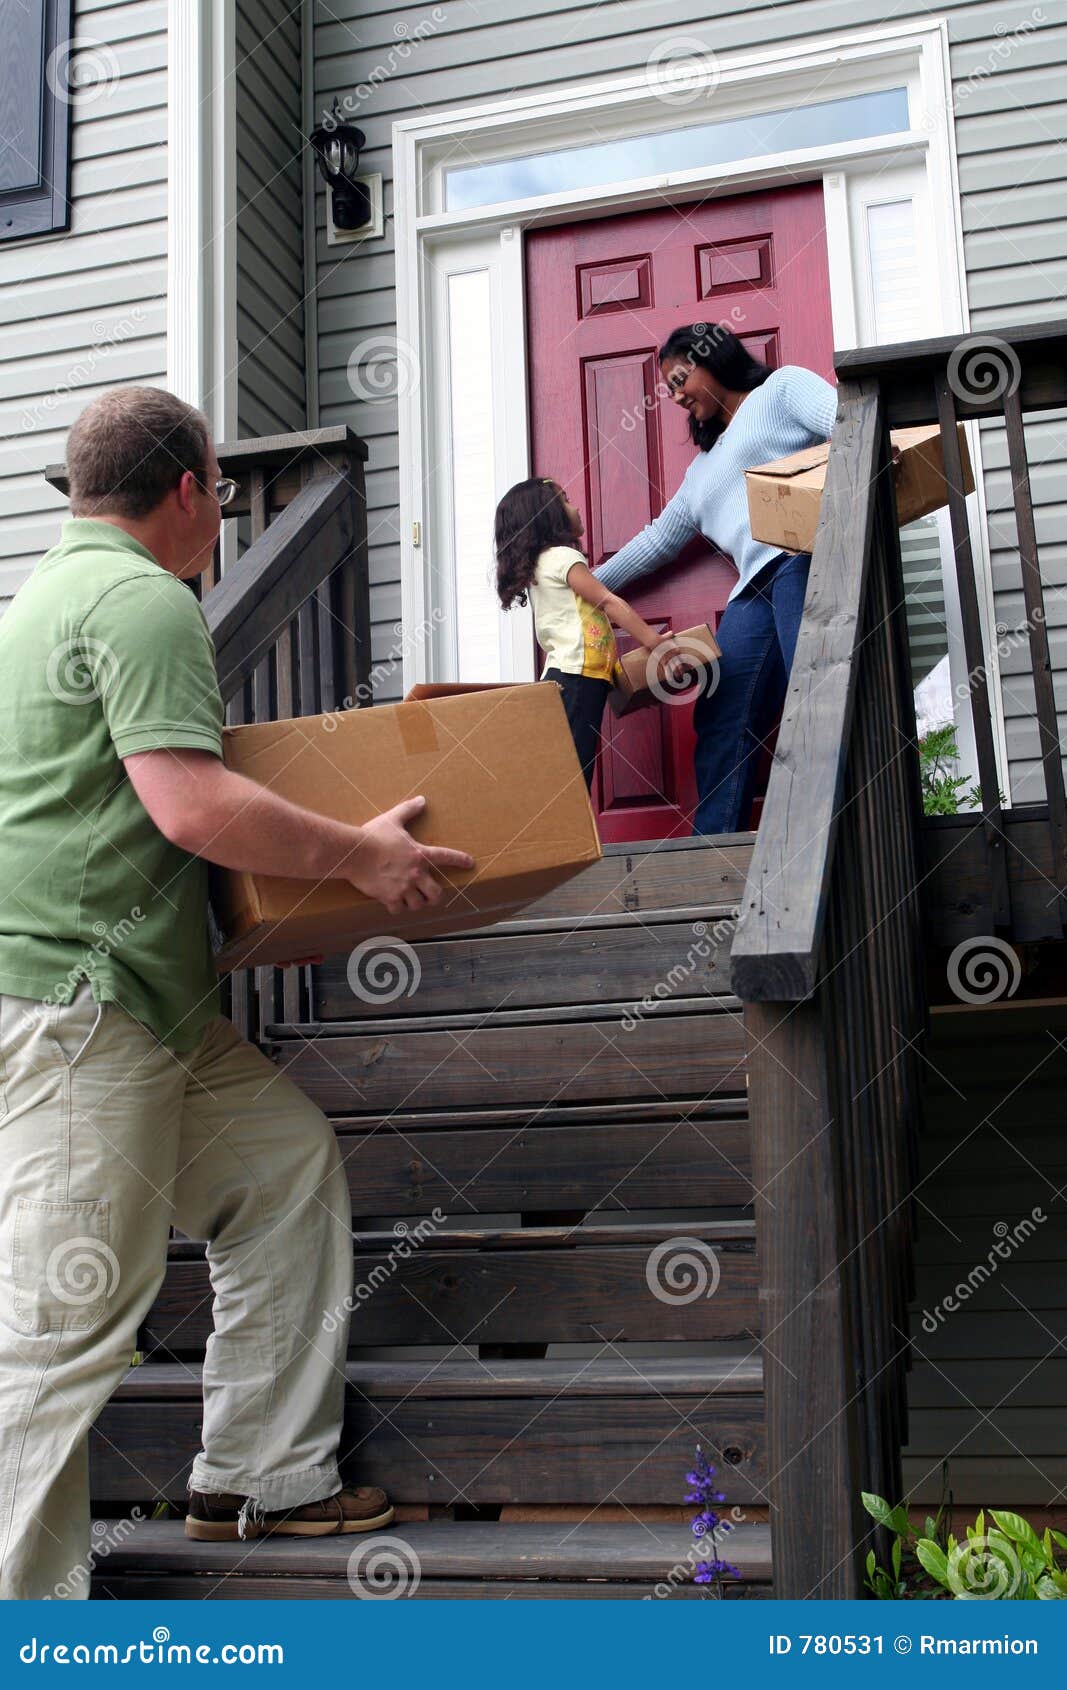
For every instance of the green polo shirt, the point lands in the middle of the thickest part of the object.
(102, 654)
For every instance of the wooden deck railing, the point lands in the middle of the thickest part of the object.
(291, 621)
(829, 956)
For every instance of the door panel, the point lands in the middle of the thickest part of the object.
(602, 296)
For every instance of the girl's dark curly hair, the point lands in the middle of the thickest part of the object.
(717, 350)
(530, 517)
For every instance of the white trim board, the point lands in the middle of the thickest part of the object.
(432, 242)
(201, 209)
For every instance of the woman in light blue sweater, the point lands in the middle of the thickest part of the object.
(740, 414)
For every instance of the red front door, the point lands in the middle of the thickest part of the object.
(602, 296)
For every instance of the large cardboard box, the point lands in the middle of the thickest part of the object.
(639, 669)
(783, 497)
(501, 780)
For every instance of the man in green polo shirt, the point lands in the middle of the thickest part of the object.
(127, 1103)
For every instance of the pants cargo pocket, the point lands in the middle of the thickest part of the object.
(63, 1268)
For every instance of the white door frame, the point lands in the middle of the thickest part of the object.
(202, 208)
(430, 240)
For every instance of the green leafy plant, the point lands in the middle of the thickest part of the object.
(943, 787)
(1006, 1562)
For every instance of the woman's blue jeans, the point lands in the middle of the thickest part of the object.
(757, 636)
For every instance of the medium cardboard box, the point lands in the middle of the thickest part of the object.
(783, 497)
(636, 672)
(452, 689)
(501, 780)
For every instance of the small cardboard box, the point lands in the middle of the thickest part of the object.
(501, 780)
(783, 497)
(638, 669)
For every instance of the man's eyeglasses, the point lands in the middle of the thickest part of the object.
(223, 490)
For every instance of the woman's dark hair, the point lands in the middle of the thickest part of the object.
(717, 350)
(530, 517)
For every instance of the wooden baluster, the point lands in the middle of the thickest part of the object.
(975, 651)
(1034, 601)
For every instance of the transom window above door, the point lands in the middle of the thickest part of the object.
(791, 128)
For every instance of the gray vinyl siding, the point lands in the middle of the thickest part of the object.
(1011, 124)
(988, 1367)
(269, 230)
(86, 310)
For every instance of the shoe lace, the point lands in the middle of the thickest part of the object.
(252, 1514)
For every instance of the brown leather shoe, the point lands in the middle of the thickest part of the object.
(225, 1517)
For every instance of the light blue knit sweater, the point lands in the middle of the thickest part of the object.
(793, 408)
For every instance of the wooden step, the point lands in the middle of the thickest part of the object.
(546, 1060)
(439, 1559)
(571, 1284)
(599, 959)
(647, 877)
(611, 1429)
(648, 1156)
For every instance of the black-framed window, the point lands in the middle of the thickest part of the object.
(35, 107)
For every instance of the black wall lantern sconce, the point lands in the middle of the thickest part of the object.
(336, 145)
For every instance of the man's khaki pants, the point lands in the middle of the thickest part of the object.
(106, 1139)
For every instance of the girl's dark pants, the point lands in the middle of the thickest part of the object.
(757, 636)
(584, 699)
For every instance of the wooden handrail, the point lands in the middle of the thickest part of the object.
(259, 594)
(776, 948)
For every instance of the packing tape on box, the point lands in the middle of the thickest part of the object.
(417, 729)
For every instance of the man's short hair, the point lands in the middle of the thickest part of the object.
(130, 448)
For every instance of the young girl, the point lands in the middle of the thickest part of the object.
(537, 557)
